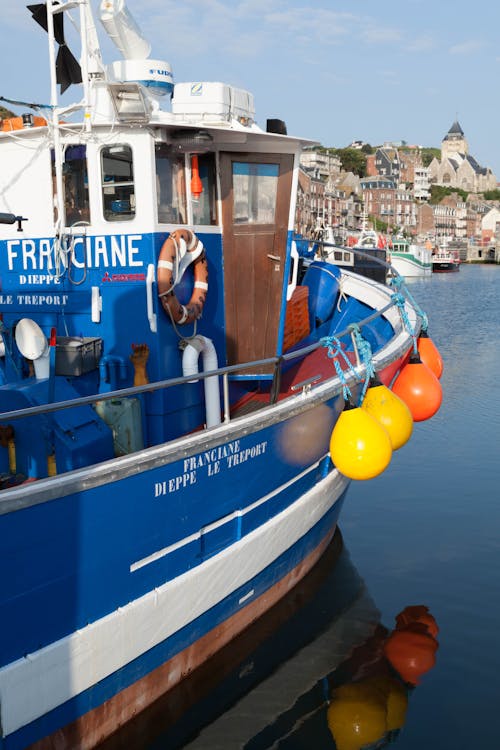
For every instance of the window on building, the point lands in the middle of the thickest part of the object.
(118, 188)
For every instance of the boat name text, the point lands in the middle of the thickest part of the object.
(34, 299)
(119, 251)
(215, 460)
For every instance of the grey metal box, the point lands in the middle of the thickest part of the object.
(76, 356)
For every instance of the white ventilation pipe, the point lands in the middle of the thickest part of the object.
(202, 345)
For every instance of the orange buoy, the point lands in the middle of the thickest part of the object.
(360, 447)
(419, 388)
(418, 613)
(411, 653)
(429, 354)
(391, 411)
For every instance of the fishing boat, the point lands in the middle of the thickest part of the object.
(445, 260)
(364, 253)
(246, 688)
(292, 673)
(410, 259)
(168, 391)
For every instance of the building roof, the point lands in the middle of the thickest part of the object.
(454, 131)
(478, 169)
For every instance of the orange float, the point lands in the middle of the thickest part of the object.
(411, 652)
(417, 614)
(419, 388)
(429, 354)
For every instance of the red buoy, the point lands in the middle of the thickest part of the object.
(411, 653)
(419, 388)
(417, 613)
(429, 354)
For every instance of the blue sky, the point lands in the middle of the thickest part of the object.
(335, 72)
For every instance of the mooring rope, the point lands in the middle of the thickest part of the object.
(334, 351)
(365, 356)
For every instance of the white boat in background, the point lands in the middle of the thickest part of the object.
(410, 259)
(364, 253)
(445, 260)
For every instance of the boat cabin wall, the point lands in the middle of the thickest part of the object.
(125, 191)
(26, 181)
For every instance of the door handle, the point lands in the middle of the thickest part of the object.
(274, 257)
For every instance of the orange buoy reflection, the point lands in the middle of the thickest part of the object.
(371, 708)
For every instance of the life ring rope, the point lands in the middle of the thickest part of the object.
(181, 249)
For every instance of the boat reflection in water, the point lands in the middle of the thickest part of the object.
(318, 667)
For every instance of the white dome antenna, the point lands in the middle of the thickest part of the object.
(123, 30)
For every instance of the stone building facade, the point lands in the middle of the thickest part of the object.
(457, 168)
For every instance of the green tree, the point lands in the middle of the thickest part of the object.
(438, 192)
(492, 195)
(428, 154)
(352, 160)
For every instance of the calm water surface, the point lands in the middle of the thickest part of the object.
(425, 532)
(428, 530)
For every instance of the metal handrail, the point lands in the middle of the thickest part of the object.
(277, 361)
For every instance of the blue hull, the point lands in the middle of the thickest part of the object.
(186, 637)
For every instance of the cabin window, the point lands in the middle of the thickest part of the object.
(118, 189)
(170, 186)
(75, 185)
(255, 188)
(204, 206)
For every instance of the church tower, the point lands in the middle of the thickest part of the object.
(454, 142)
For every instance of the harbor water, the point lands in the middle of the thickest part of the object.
(426, 532)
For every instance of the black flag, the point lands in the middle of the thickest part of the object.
(68, 69)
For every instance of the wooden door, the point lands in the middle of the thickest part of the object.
(255, 209)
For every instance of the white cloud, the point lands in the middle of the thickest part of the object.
(421, 44)
(468, 47)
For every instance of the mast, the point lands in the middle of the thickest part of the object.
(91, 67)
(56, 133)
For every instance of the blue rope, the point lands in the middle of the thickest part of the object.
(399, 301)
(399, 283)
(365, 355)
(335, 350)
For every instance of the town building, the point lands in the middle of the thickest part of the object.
(457, 168)
(390, 203)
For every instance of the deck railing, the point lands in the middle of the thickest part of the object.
(224, 372)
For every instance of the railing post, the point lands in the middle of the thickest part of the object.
(276, 384)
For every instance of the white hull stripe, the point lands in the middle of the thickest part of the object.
(217, 524)
(38, 683)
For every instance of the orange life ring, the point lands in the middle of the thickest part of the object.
(182, 314)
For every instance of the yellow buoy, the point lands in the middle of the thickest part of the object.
(391, 411)
(360, 447)
(356, 716)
